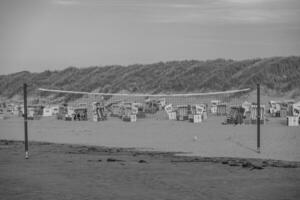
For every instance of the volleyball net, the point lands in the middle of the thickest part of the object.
(77, 105)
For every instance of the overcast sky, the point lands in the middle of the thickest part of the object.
(36, 35)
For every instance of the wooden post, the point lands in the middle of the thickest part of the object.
(25, 121)
(258, 118)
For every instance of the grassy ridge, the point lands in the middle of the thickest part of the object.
(280, 74)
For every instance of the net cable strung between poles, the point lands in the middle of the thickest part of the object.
(153, 106)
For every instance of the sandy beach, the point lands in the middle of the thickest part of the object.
(149, 159)
(209, 138)
(65, 171)
(149, 100)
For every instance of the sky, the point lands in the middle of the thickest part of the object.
(38, 35)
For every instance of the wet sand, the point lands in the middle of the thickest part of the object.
(67, 171)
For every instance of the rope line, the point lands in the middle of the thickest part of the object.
(145, 95)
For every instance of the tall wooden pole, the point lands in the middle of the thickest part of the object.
(25, 121)
(258, 118)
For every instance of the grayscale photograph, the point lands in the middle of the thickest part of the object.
(150, 99)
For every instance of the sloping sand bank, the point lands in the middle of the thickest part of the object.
(64, 171)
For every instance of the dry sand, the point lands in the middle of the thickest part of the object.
(278, 141)
(222, 161)
(61, 171)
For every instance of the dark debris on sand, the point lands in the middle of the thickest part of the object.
(113, 160)
(172, 157)
(142, 161)
(241, 162)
